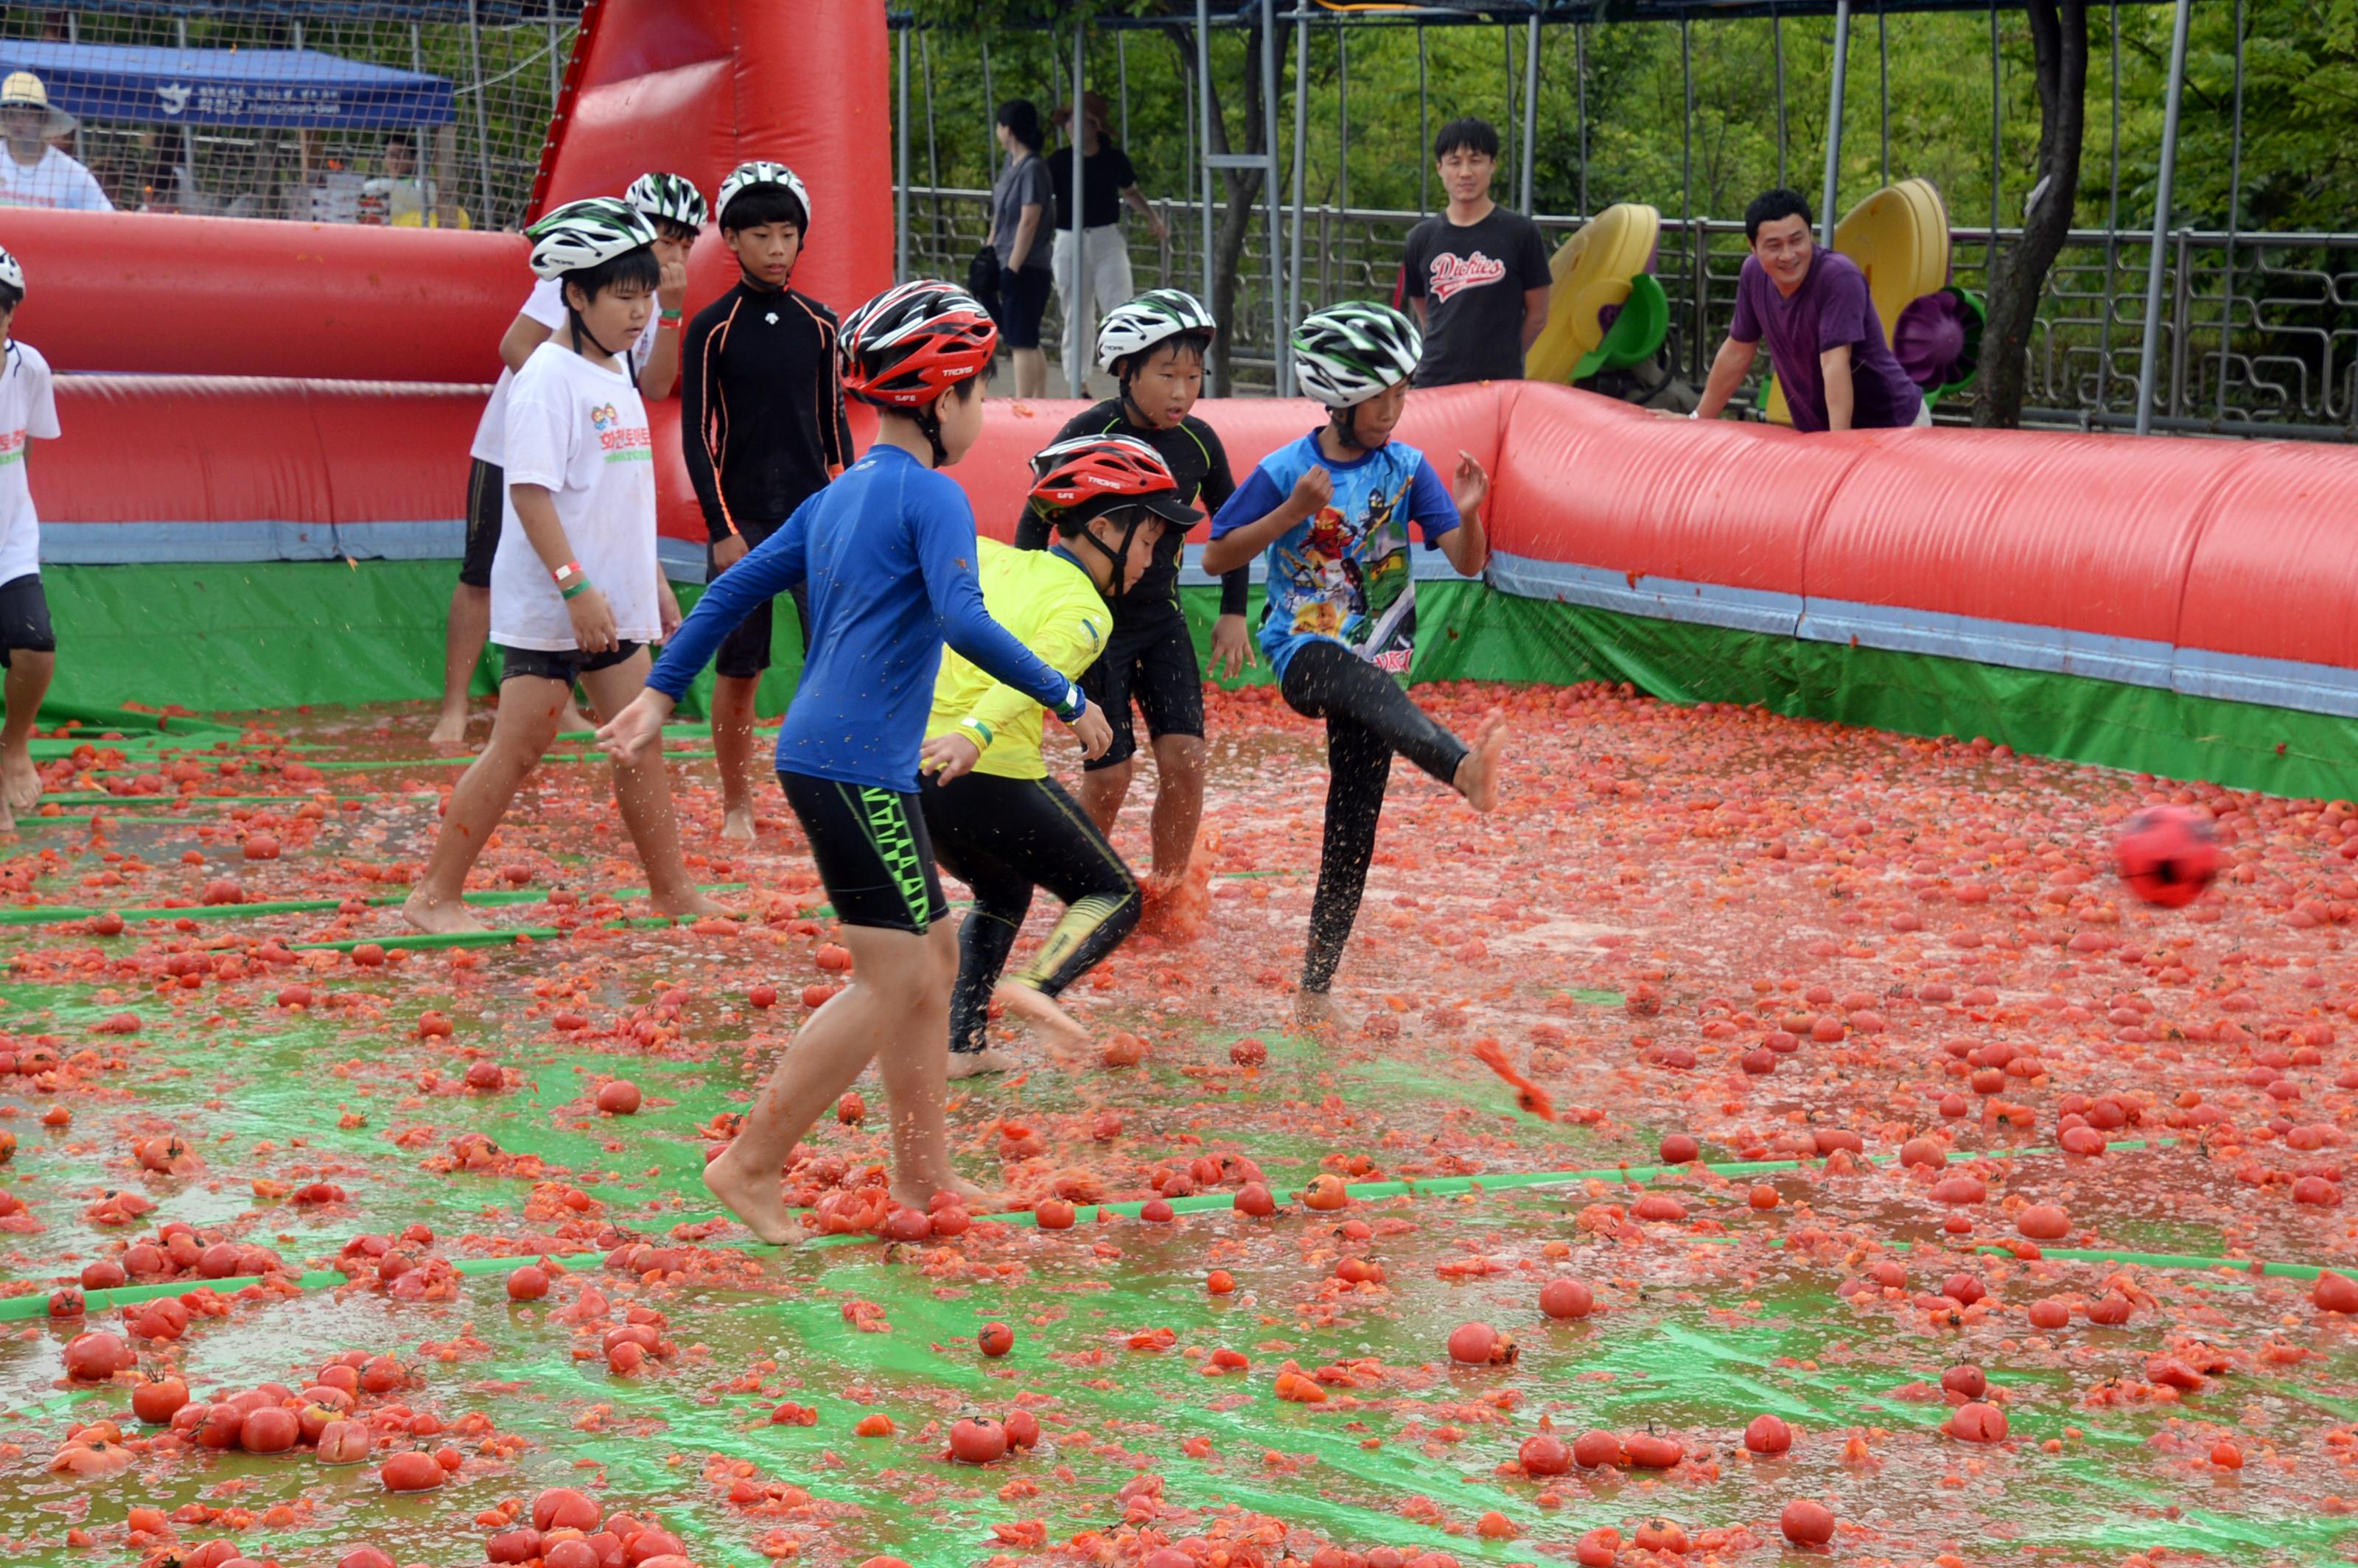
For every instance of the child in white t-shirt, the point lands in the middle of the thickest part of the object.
(28, 648)
(575, 591)
(655, 366)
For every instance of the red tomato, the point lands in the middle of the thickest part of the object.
(344, 1442)
(1544, 1455)
(411, 1472)
(1591, 1449)
(1768, 1434)
(978, 1440)
(562, 1508)
(619, 1098)
(1022, 1428)
(528, 1284)
(1807, 1522)
(996, 1339)
(271, 1430)
(1473, 1344)
(1566, 1298)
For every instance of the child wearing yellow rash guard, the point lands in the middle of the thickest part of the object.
(999, 823)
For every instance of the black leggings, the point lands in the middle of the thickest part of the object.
(1002, 838)
(1368, 718)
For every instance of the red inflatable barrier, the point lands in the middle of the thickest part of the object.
(168, 296)
(698, 86)
(2089, 532)
(996, 475)
(170, 457)
(1603, 484)
(2275, 574)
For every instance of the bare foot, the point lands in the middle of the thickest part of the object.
(1316, 1011)
(1058, 1029)
(450, 729)
(738, 826)
(919, 1195)
(754, 1197)
(1478, 775)
(439, 916)
(20, 781)
(688, 904)
(968, 1063)
(7, 817)
(575, 722)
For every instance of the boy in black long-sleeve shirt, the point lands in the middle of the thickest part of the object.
(762, 428)
(1154, 345)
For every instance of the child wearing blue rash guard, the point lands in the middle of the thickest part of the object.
(888, 555)
(1333, 511)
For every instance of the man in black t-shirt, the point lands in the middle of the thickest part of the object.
(1477, 276)
(1154, 346)
(761, 428)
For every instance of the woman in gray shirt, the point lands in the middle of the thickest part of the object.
(1019, 237)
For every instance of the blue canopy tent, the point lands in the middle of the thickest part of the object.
(279, 89)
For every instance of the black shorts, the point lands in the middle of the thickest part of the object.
(486, 495)
(1150, 658)
(744, 653)
(1022, 300)
(24, 618)
(567, 664)
(872, 850)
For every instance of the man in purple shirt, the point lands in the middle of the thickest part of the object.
(1825, 341)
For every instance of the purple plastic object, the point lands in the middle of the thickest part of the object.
(1606, 315)
(1930, 337)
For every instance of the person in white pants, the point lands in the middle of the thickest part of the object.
(1098, 277)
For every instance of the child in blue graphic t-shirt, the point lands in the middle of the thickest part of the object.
(1334, 511)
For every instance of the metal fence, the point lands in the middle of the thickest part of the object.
(2259, 334)
(430, 113)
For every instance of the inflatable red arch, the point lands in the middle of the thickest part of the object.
(308, 393)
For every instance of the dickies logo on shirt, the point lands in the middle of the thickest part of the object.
(1449, 274)
(621, 444)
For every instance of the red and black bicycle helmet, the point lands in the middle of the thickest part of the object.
(911, 343)
(1088, 476)
(1074, 483)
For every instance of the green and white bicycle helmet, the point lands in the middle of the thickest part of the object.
(1138, 325)
(1347, 353)
(671, 197)
(12, 272)
(582, 234)
(761, 171)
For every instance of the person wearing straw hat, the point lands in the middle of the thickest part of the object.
(35, 173)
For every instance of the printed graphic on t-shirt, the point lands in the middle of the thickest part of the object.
(1448, 274)
(621, 444)
(12, 447)
(1344, 575)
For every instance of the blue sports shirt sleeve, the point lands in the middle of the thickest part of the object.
(1430, 504)
(1253, 500)
(942, 524)
(770, 568)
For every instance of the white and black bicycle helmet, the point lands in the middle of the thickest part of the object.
(1347, 353)
(1159, 314)
(582, 234)
(667, 198)
(12, 272)
(761, 171)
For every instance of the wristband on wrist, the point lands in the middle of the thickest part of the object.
(979, 727)
(1074, 706)
(580, 588)
(669, 318)
(571, 572)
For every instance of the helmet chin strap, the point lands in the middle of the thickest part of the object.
(1117, 559)
(581, 329)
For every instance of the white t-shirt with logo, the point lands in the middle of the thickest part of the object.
(582, 432)
(58, 181)
(28, 412)
(547, 305)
